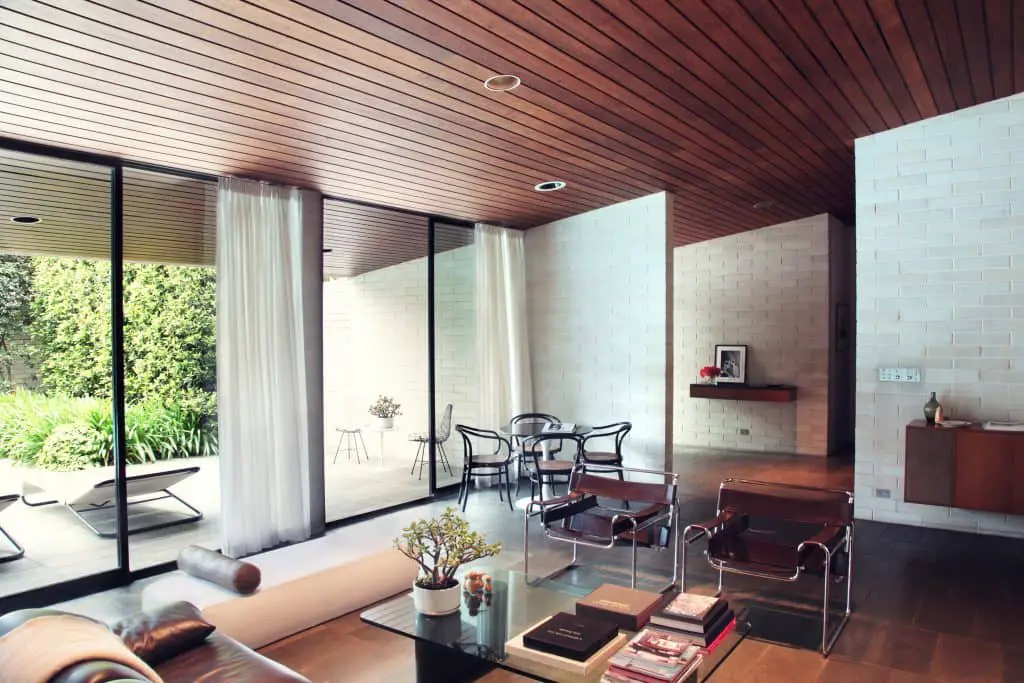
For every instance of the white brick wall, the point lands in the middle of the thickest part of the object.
(940, 286)
(597, 287)
(375, 342)
(768, 289)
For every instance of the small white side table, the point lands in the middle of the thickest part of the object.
(381, 431)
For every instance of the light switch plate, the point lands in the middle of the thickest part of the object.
(899, 374)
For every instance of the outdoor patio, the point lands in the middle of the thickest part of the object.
(58, 547)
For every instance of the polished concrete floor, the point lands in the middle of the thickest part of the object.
(930, 606)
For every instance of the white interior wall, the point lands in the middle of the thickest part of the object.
(940, 287)
(600, 321)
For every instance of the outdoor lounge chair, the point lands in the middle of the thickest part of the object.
(18, 550)
(90, 497)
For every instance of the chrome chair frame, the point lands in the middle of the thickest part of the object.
(709, 530)
(538, 508)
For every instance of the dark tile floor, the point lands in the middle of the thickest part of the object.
(930, 606)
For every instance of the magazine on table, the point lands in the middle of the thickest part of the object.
(559, 428)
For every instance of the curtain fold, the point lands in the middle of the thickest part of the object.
(503, 342)
(261, 367)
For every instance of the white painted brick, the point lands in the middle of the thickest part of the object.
(968, 265)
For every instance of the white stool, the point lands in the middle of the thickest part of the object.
(349, 443)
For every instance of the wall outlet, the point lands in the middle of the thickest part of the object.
(883, 493)
(899, 374)
(744, 432)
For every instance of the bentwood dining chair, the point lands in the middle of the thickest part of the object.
(486, 463)
(522, 450)
(615, 433)
(543, 471)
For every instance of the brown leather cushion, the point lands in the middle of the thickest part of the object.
(241, 577)
(222, 659)
(98, 671)
(158, 636)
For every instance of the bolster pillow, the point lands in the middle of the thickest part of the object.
(241, 577)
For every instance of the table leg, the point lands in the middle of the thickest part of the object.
(444, 664)
(548, 490)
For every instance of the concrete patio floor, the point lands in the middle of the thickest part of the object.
(58, 547)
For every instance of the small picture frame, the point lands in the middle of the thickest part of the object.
(732, 361)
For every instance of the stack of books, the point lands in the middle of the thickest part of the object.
(704, 619)
(654, 656)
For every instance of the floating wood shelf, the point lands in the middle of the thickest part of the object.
(744, 392)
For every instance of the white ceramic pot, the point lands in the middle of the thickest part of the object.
(438, 601)
(385, 422)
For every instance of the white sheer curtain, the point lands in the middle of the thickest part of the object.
(503, 344)
(261, 369)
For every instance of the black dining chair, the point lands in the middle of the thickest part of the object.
(522, 454)
(617, 432)
(549, 471)
(484, 464)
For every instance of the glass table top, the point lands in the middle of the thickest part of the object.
(486, 622)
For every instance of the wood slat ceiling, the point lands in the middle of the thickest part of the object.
(172, 219)
(727, 103)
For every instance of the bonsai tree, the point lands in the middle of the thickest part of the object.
(440, 546)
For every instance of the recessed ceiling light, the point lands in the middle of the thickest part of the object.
(26, 220)
(502, 83)
(764, 204)
(550, 186)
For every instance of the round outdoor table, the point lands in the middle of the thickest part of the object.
(528, 428)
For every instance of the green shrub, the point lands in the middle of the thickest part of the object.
(155, 429)
(72, 446)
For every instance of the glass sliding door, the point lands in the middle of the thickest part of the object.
(170, 355)
(56, 427)
(375, 358)
(455, 357)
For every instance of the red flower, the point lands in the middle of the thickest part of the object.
(710, 371)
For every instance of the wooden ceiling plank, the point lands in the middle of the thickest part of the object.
(839, 32)
(999, 27)
(918, 26)
(432, 11)
(704, 98)
(351, 174)
(287, 104)
(805, 27)
(581, 41)
(912, 104)
(839, 121)
(699, 27)
(971, 20)
(435, 162)
(951, 45)
(906, 58)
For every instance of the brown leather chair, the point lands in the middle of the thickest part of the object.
(580, 519)
(815, 531)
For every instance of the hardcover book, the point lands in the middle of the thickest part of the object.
(541, 663)
(571, 636)
(627, 608)
(690, 607)
(558, 428)
(709, 634)
(719, 618)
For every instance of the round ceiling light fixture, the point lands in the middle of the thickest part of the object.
(502, 83)
(26, 220)
(550, 186)
(764, 204)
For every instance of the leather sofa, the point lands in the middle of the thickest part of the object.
(217, 658)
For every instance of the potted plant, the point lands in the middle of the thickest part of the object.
(709, 374)
(440, 546)
(385, 409)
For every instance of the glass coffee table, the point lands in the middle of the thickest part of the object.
(466, 645)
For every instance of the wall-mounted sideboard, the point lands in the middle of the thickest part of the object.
(966, 467)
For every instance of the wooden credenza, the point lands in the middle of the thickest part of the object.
(968, 467)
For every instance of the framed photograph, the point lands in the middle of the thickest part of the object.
(732, 360)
